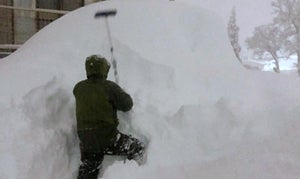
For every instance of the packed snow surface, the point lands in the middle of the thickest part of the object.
(204, 115)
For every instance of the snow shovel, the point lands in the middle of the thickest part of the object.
(106, 14)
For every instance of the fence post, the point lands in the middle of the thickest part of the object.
(12, 23)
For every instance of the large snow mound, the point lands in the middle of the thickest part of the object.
(203, 114)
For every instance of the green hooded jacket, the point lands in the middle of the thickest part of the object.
(97, 102)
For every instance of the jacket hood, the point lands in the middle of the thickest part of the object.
(97, 66)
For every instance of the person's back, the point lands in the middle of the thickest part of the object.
(93, 106)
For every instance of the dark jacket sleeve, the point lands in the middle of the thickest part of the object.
(119, 98)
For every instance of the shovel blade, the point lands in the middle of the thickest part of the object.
(106, 13)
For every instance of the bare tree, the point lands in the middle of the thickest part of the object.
(288, 16)
(233, 34)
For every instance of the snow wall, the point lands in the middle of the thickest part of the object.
(203, 114)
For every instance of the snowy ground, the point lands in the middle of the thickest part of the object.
(285, 65)
(203, 113)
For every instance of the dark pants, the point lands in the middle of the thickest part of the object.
(123, 145)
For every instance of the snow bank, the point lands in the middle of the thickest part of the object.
(203, 114)
(40, 138)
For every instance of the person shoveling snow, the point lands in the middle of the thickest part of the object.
(97, 102)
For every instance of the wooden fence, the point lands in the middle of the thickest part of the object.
(18, 24)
